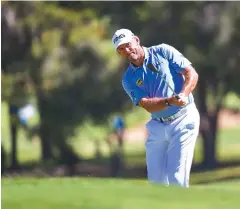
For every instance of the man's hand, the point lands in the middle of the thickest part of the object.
(181, 101)
(183, 97)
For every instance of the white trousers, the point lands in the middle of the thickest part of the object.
(170, 148)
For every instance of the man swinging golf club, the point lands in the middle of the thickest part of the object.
(161, 80)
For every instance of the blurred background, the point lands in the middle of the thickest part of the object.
(63, 109)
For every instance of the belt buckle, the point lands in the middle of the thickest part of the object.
(170, 118)
(163, 120)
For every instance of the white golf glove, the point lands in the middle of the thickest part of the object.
(183, 97)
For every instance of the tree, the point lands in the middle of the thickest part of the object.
(65, 48)
(207, 33)
(218, 68)
(70, 77)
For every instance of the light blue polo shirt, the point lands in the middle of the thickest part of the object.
(139, 82)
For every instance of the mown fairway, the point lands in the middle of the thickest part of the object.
(90, 193)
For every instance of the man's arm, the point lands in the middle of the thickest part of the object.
(157, 104)
(191, 79)
(153, 104)
(181, 65)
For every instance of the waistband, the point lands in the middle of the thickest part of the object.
(176, 115)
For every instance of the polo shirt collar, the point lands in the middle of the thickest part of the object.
(146, 55)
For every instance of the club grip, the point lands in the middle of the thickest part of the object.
(178, 97)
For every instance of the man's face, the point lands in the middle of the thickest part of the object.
(130, 50)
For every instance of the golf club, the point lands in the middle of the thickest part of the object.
(153, 69)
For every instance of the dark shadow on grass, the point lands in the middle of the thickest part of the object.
(217, 180)
(134, 168)
(226, 164)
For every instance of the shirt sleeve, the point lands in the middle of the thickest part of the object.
(135, 93)
(174, 57)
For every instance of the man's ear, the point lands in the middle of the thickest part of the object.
(137, 39)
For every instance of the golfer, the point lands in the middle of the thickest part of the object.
(161, 80)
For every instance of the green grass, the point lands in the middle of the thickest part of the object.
(217, 175)
(228, 145)
(90, 193)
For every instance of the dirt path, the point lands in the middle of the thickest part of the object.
(227, 119)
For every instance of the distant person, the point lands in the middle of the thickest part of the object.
(161, 80)
(20, 108)
(20, 111)
(116, 160)
(119, 127)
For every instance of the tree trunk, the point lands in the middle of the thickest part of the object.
(45, 135)
(14, 161)
(67, 156)
(209, 142)
(46, 152)
(209, 149)
(208, 127)
(3, 159)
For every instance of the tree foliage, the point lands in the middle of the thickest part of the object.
(65, 48)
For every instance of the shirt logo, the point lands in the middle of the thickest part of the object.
(118, 38)
(139, 82)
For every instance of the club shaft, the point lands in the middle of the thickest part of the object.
(152, 68)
